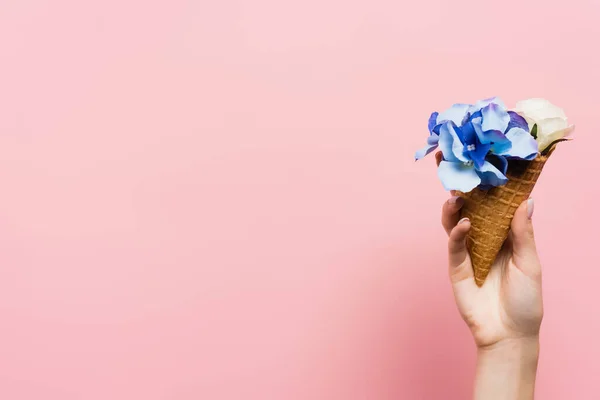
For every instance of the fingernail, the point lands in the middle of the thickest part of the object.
(456, 200)
(462, 221)
(529, 208)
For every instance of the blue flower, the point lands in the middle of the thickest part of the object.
(456, 113)
(522, 144)
(466, 164)
(476, 142)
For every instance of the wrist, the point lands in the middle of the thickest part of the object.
(507, 369)
(523, 348)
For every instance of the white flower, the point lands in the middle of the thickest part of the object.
(551, 120)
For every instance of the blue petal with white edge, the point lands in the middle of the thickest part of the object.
(501, 147)
(483, 103)
(458, 176)
(495, 137)
(456, 113)
(495, 118)
(523, 144)
(468, 133)
(424, 151)
(516, 121)
(491, 176)
(450, 143)
(433, 121)
(433, 139)
(473, 149)
(466, 119)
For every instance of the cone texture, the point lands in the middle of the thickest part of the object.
(491, 213)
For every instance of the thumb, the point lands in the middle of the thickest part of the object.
(457, 252)
(524, 251)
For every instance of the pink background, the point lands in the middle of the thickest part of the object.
(217, 199)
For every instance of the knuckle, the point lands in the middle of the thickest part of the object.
(530, 234)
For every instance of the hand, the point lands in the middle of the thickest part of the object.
(509, 304)
(505, 314)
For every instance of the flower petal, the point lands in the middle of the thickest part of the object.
(466, 119)
(491, 176)
(474, 150)
(501, 147)
(433, 121)
(433, 139)
(451, 144)
(492, 136)
(483, 103)
(495, 118)
(523, 144)
(478, 155)
(517, 121)
(468, 133)
(424, 151)
(455, 114)
(550, 125)
(538, 109)
(544, 142)
(457, 176)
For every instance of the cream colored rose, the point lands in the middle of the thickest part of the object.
(551, 120)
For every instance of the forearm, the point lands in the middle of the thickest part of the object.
(507, 370)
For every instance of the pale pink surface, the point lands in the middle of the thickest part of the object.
(217, 199)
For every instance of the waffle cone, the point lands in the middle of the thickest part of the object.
(491, 212)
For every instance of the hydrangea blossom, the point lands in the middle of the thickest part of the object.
(476, 142)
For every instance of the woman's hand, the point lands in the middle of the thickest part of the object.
(505, 314)
(509, 304)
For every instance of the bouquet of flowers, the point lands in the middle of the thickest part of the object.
(492, 157)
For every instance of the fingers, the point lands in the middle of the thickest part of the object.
(523, 242)
(457, 251)
(451, 213)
